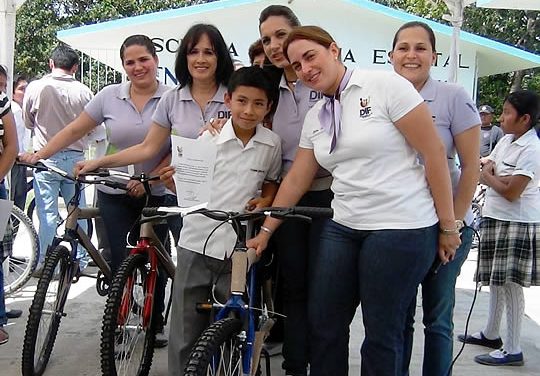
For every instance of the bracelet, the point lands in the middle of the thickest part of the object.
(267, 230)
(445, 231)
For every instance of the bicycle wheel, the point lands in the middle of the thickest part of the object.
(24, 252)
(128, 333)
(218, 351)
(46, 311)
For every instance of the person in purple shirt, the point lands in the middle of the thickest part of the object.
(292, 240)
(126, 110)
(203, 67)
(458, 123)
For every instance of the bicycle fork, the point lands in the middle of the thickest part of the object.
(143, 247)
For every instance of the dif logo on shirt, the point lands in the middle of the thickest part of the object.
(365, 108)
(224, 114)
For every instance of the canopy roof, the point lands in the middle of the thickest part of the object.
(361, 27)
(510, 4)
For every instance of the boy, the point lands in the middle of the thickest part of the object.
(248, 158)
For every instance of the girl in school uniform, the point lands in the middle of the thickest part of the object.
(510, 228)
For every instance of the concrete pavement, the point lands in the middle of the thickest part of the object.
(76, 351)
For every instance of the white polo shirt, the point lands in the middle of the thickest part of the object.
(516, 157)
(378, 182)
(239, 173)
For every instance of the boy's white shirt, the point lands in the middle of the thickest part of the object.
(239, 173)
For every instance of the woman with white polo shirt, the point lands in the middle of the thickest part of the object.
(126, 110)
(391, 215)
(509, 256)
(458, 124)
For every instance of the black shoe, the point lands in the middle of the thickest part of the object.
(161, 339)
(491, 343)
(14, 313)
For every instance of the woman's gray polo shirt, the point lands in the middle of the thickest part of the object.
(126, 126)
(179, 112)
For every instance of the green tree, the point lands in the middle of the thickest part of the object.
(39, 20)
(518, 28)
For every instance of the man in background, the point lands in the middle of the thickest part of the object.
(50, 104)
(490, 134)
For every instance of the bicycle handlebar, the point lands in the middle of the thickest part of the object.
(295, 212)
(100, 173)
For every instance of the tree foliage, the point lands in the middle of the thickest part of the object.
(517, 28)
(39, 20)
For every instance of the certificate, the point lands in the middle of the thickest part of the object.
(194, 162)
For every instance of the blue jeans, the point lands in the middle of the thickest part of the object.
(3, 317)
(438, 300)
(381, 270)
(47, 188)
(293, 242)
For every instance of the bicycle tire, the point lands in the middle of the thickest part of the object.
(219, 341)
(117, 356)
(45, 312)
(24, 253)
(32, 207)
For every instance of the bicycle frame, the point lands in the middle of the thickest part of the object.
(149, 244)
(244, 268)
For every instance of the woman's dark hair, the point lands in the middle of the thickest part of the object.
(255, 49)
(313, 33)
(3, 71)
(225, 65)
(412, 24)
(138, 40)
(526, 102)
(280, 11)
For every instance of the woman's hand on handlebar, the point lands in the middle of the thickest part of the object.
(260, 242)
(166, 176)
(31, 158)
(135, 188)
(86, 166)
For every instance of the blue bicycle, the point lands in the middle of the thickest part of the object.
(232, 345)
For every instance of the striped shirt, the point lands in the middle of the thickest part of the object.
(5, 106)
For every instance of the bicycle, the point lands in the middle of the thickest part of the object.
(30, 209)
(128, 331)
(232, 345)
(60, 270)
(22, 242)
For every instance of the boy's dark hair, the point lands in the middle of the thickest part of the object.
(225, 65)
(138, 40)
(3, 71)
(253, 77)
(526, 102)
(64, 57)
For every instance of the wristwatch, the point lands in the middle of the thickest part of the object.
(459, 224)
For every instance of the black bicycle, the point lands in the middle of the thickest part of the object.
(60, 270)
